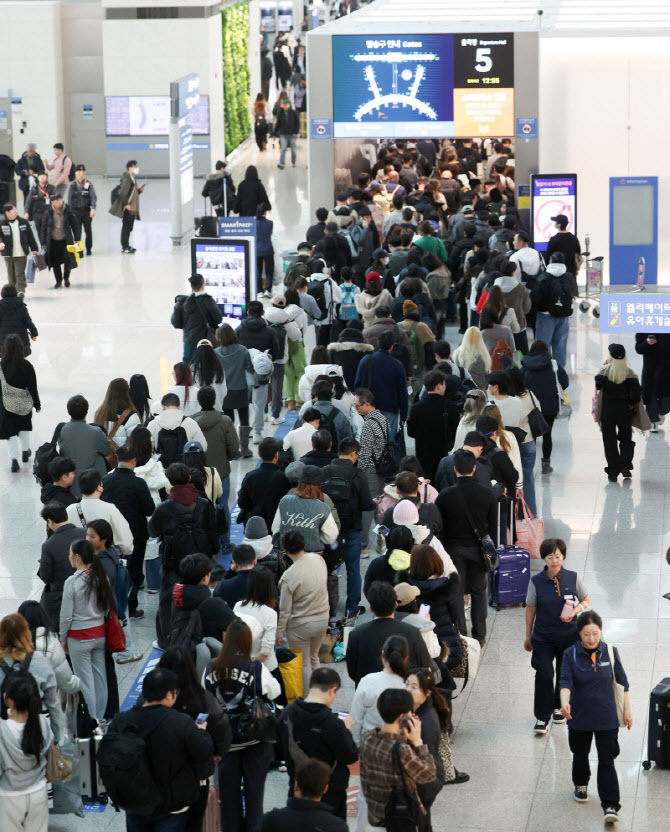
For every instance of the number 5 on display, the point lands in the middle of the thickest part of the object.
(483, 59)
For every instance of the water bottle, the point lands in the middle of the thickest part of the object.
(567, 608)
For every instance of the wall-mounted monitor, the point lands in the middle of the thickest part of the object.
(408, 86)
(149, 115)
(551, 195)
(224, 263)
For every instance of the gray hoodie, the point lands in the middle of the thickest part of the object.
(18, 771)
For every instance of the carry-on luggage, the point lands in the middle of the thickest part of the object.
(91, 787)
(509, 581)
(658, 750)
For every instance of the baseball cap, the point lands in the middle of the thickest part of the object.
(192, 447)
(561, 219)
(406, 593)
(372, 277)
(468, 209)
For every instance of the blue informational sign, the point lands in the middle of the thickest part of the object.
(136, 690)
(237, 226)
(322, 128)
(185, 95)
(407, 86)
(526, 128)
(633, 230)
(551, 195)
(635, 313)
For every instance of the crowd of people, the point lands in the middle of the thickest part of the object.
(137, 500)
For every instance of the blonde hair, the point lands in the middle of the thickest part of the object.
(475, 401)
(471, 348)
(16, 640)
(503, 436)
(616, 370)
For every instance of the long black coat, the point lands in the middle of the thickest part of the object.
(15, 319)
(655, 366)
(131, 495)
(46, 224)
(250, 194)
(427, 423)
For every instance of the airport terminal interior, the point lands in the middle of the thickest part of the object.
(114, 321)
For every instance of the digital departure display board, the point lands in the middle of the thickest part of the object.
(149, 115)
(449, 86)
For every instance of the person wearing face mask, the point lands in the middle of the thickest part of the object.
(556, 596)
(127, 204)
(589, 671)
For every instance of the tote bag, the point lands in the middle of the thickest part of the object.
(529, 531)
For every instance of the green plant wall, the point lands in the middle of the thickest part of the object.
(236, 82)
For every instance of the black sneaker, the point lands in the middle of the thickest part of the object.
(626, 474)
(67, 283)
(546, 467)
(15, 466)
(611, 815)
(461, 777)
(136, 614)
(558, 717)
(57, 286)
(541, 726)
(581, 794)
(25, 456)
(281, 167)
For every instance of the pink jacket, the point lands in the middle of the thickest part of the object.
(61, 168)
(427, 493)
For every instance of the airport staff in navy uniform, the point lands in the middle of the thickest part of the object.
(587, 695)
(17, 241)
(549, 631)
(83, 200)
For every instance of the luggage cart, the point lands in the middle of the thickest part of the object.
(594, 282)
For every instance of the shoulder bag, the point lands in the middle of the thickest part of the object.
(115, 638)
(257, 721)
(59, 766)
(110, 458)
(486, 544)
(402, 812)
(15, 399)
(529, 531)
(536, 421)
(617, 690)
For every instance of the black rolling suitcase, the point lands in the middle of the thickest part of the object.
(658, 750)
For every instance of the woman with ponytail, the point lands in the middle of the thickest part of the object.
(25, 737)
(87, 599)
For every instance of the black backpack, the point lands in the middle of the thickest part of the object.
(116, 190)
(327, 422)
(343, 494)
(45, 454)
(71, 177)
(186, 629)
(170, 444)
(188, 538)
(316, 289)
(260, 122)
(279, 335)
(17, 670)
(125, 770)
(560, 298)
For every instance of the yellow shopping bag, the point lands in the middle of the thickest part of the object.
(291, 673)
(76, 250)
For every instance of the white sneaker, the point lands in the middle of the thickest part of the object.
(156, 645)
(278, 420)
(654, 427)
(257, 438)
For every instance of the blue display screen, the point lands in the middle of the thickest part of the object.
(393, 86)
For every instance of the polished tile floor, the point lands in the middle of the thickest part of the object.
(114, 321)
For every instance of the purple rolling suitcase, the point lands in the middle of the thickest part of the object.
(510, 579)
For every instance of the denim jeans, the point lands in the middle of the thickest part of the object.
(286, 141)
(528, 453)
(351, 538)
(554, 332)
(223, 501)
(393, 419)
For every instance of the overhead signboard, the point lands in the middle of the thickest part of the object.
(407, 86)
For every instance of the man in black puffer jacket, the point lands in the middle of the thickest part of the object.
(196, 314)
(320, 734)
(193, 593)
(180, 754)
(131, 495)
